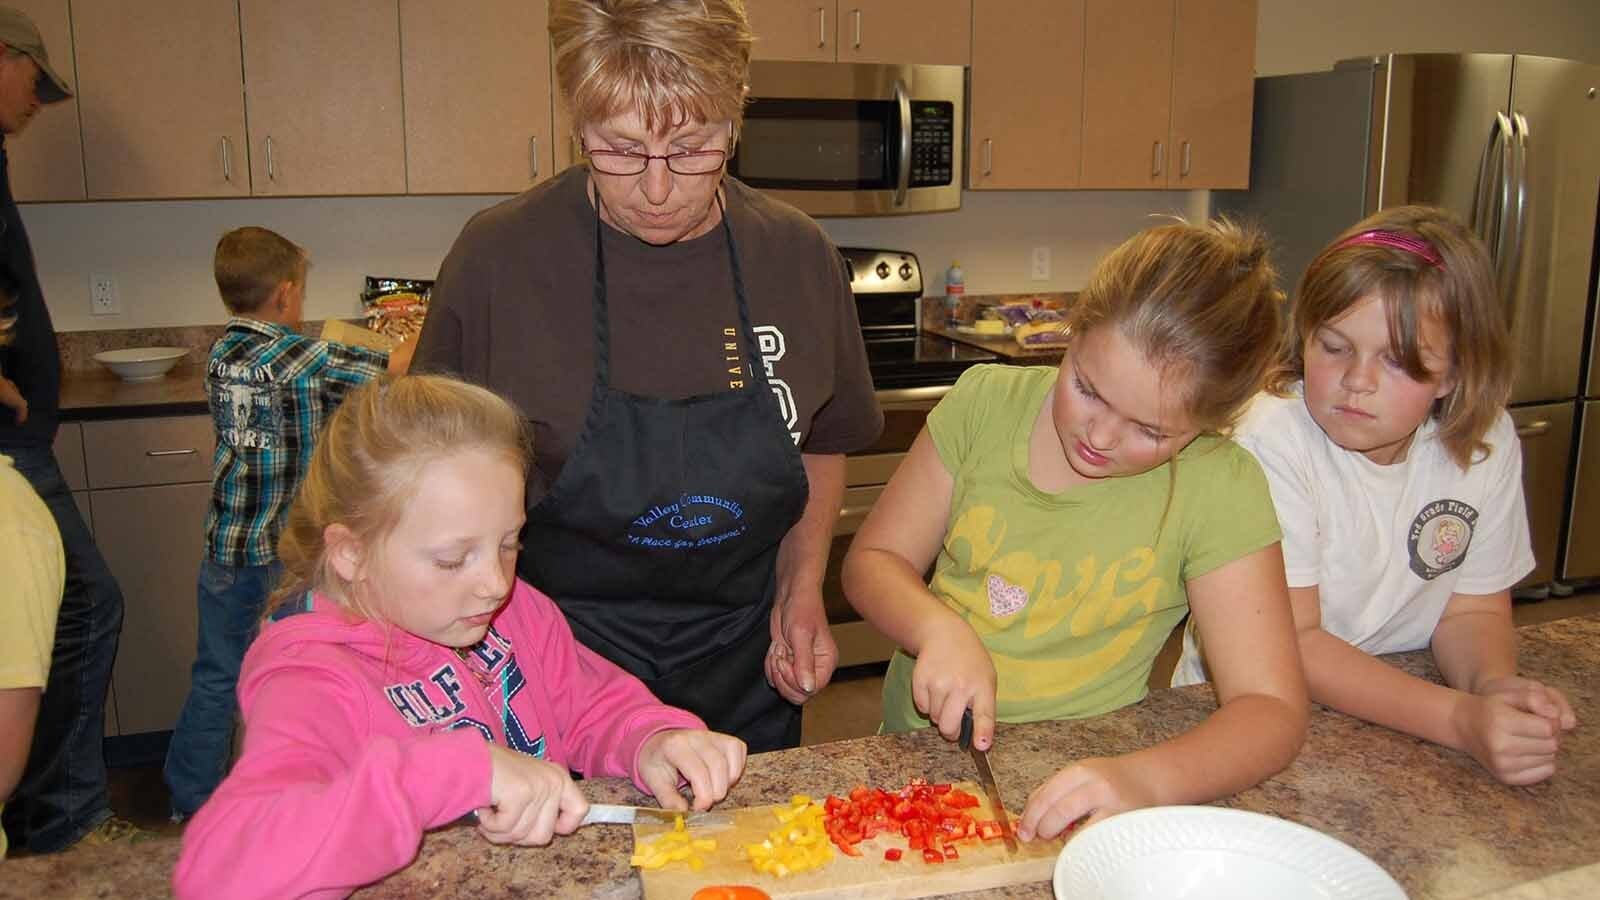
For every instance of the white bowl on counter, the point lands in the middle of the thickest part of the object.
(1211, 853)
(141, 363)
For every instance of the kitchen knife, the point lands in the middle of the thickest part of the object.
(611, 814)
(986, 781)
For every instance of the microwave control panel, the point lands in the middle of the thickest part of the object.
(933, 141)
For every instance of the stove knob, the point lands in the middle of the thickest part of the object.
(883, 270)
(905, 271)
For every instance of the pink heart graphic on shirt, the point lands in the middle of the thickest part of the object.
(1005, 599)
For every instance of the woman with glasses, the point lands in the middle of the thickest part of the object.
(688, 353)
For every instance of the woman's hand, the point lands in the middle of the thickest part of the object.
(11, 396)
(531, 800)
(801, 659)
(1096, 788)
(954, 672)
(710, 761)
(1512, 728)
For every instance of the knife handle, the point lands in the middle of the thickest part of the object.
(964, 740)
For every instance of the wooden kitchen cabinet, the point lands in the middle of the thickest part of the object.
(325, 105)
(793, 29)
(1167, 93)
(48, 163)
(162, 99)
(1213, 94)
(477, 95)
(929, 32)
(149, 486)
(1026, 139)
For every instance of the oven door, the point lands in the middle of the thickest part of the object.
(854, 139)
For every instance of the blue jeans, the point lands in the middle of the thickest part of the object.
(231, 598)
(62, 794)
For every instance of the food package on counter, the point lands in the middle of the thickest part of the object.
(1043, 328)
(395, 307)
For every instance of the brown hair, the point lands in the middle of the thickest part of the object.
(675, 61)
(1460, 291)
(366, 463)
(1198, 301)
(251, 262)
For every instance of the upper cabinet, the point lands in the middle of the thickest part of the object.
(477, 95)
(324, 96)
(933, 32)
(162, 99)
(1026, 139)
(46, 161)
(1167, 93)
(1213, 94)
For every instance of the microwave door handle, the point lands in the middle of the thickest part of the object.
(903, 175)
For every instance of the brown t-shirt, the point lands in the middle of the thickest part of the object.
(513, 309)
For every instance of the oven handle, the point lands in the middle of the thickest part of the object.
(903, 177)
(912, 398)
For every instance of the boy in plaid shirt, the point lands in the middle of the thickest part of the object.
(270, 389)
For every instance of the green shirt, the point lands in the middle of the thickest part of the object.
(1073, 593)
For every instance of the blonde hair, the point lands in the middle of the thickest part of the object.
(1460, 291)
(251, 262)
(366, 463)
(674, 61)
(1198, 302)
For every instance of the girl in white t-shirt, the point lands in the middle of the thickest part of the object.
(1396, 474)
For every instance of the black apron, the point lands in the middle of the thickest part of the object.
(659, 537)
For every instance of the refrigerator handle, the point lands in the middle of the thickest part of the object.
(1511, 262)
(1486, 212)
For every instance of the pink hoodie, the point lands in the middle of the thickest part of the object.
(360, 736)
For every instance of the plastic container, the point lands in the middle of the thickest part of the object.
(955, 287)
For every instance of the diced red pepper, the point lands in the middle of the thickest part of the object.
(932, 856)
(990, 830)
(950, 852)
(892, 854)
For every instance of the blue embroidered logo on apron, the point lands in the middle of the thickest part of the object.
(688, 523)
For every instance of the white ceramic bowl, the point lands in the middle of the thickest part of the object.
(141, 363)
(1211, 853)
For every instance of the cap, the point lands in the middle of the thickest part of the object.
(18, 32)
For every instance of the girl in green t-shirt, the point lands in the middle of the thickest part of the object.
(1072, 515)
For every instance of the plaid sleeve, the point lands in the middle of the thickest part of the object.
(345, 366)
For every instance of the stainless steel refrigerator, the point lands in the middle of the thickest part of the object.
(1511, 143)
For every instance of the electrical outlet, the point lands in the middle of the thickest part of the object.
(103, 298)
(1039, 268)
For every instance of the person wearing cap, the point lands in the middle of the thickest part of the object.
(61, 797)
(688, 352)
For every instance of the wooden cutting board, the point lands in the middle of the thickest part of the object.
(983, 864)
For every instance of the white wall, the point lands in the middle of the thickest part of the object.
(1308, 35)
(159, 253)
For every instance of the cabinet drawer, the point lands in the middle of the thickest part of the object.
(130, 452)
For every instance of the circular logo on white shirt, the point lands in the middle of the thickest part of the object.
(1439, 537)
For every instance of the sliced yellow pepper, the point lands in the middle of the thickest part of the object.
(799, 843)
(673, 846)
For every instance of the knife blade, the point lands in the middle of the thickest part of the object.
(980, 759)
(613, 814)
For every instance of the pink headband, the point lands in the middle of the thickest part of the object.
(1397, 240)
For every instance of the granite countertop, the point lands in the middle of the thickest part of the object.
(1430, 816)
(90, 394)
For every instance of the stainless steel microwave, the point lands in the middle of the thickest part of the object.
(852, 139)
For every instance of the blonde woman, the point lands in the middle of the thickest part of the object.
(688, 352)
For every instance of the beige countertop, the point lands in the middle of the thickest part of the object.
(1430, 816)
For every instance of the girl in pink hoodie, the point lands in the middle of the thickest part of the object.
(415, 679)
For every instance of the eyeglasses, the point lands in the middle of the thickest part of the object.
(622, 162)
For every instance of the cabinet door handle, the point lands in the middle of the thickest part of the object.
(189, 452)
(272, 172)
(988, 156)
(822, 27)
(533, 157)
(1533, 429)
(227, 160)
(857, 14)
(1183, 170)
(1155, 160)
